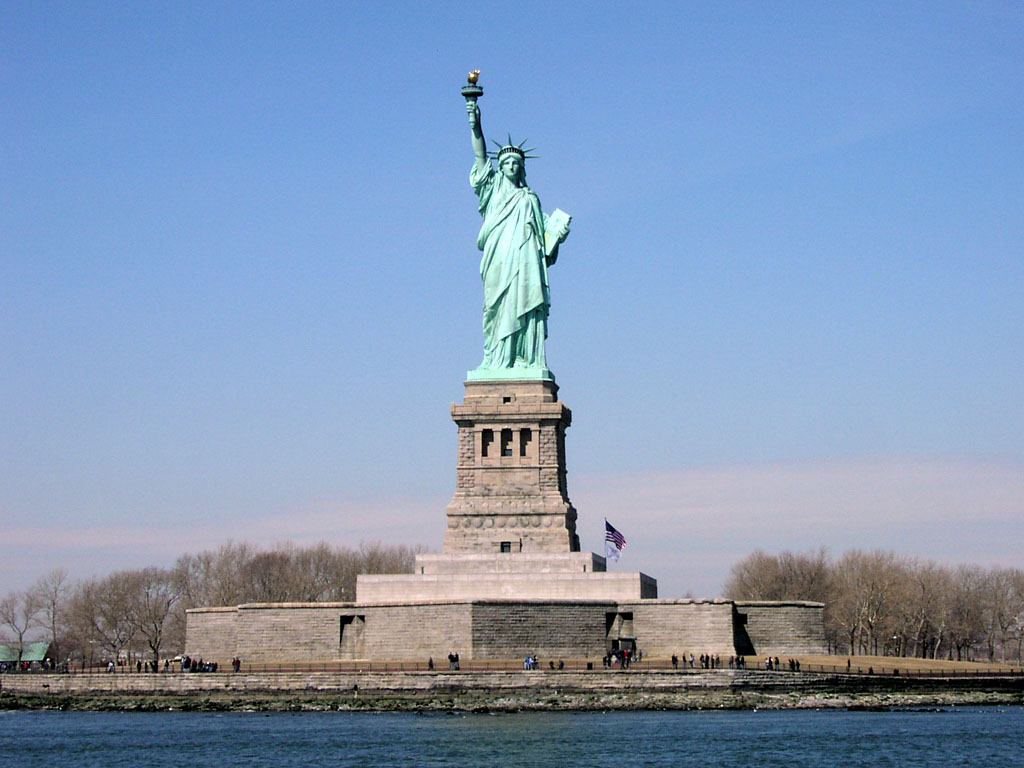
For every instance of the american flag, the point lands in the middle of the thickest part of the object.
(614, 542)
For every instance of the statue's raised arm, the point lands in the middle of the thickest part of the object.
(477, 133)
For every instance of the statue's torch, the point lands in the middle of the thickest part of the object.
(472, 92)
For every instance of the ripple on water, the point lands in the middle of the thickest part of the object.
(963, 736)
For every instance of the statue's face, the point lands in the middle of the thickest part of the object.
(512, 167)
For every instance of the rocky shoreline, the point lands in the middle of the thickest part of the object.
(476, 701)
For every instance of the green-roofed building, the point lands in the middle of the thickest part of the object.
(30, 652)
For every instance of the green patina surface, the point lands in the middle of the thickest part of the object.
(510, 374)
(519, 243)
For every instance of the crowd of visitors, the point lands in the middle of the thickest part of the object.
(714, 661)
(708, 661)
(138, 667)
(772, 663)
(624, 658)
(189, 664)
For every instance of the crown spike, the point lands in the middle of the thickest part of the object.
(513, 148)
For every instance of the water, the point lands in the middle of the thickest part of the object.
(971, 736)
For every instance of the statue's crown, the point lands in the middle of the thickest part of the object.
(512, 149)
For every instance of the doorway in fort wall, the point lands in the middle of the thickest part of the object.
(619, 633)
(351, 642)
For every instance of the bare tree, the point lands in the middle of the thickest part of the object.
(106, 611)
(155, 599)
(51, 593)
(758, 576)
(868, 583)
(320, 573)
(240, 573)
(267, 577)
(218, 577)
(1017, 628)
(788, 576)
(19, 613)
(965, 610)
(926, 602)
(145, 610)
(1001, 610)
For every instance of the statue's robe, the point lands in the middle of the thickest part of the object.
(514, 272)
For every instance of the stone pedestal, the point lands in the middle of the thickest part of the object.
(511, 527)
(511, 490)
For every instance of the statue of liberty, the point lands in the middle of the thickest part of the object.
(519, 243)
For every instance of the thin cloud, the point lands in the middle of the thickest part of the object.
(686, 527)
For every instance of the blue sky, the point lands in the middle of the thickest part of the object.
(240, 291)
